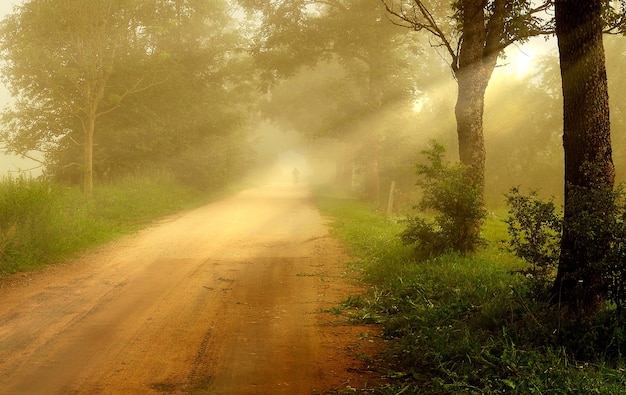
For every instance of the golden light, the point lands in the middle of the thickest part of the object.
(523, 64)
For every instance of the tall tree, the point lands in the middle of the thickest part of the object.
(481, 31)
(60, 59)
(201, 107)
(589, 170)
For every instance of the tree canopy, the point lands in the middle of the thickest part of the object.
(118, 75)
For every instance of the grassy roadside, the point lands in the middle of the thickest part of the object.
(42, 223)
(464, 325)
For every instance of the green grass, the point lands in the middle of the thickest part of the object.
(464, 324)
(42, 223)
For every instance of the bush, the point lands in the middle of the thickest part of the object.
(534, 228)
(457, 202)
(24, 212)
(597, 233)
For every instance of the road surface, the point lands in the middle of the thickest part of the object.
(225, 299)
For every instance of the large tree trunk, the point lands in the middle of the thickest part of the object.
(588, 161)
(473, 70)
(469, 120)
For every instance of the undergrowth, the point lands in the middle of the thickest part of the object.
(42, 222)
(466, 324)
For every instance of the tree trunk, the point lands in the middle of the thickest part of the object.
(345, 167)
(372, 177)
(588, 158)
(88, 156)
(373, 139)
(469, 120)
(473, 69)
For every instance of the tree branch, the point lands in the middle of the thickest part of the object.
(429, 24)
(136, 88)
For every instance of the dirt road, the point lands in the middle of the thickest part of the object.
(225, 299)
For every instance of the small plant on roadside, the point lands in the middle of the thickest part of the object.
(456, 202)
(534, 228)
(6, 238)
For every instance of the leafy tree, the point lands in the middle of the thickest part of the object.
(60, 62)
(480, 31)
(130, 83)
(472, 35)
(589, 169)
(201, 107)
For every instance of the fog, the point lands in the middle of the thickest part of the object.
(336, 118)
(278, 152)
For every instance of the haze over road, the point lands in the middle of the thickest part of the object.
(224, 299)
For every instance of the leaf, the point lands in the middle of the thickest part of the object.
(509, 384)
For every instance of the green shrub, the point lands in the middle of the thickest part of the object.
(534, 229)
(464, 324)
(457, 203)
(26, 214)
(595, 244)
(597, 232)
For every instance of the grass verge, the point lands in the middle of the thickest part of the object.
(42, 223)
(463, 324)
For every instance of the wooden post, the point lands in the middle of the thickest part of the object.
(392, 193)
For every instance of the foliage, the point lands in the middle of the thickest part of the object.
(24, 209)
(60, 62)
(467, 325)
(458, 205)
(598, 238)
(535, 236)
(213, 163)
(42, 223)
(534, 230)
(145, 80)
